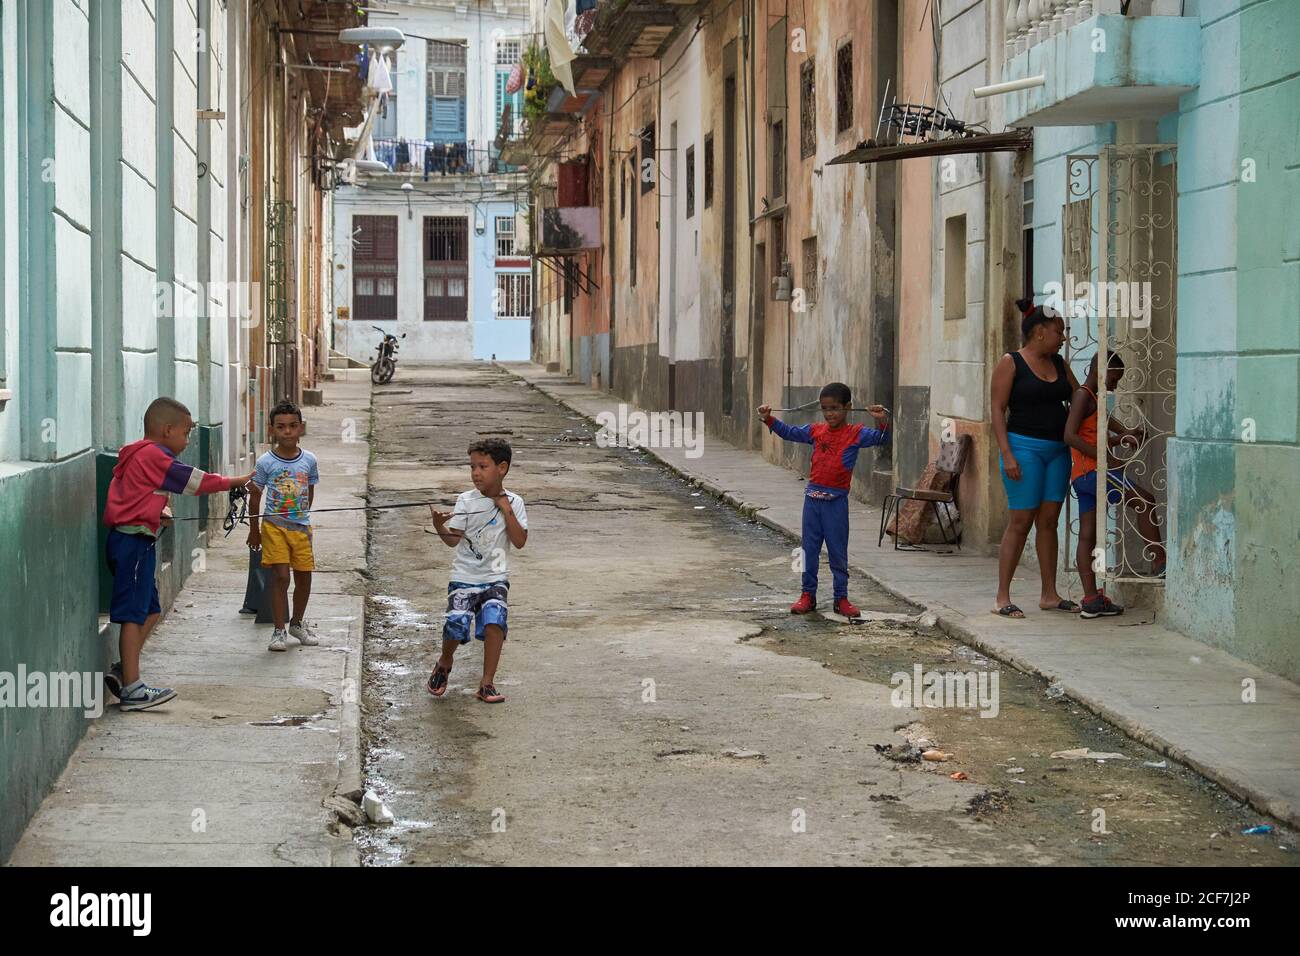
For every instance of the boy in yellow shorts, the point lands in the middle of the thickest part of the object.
(288, 476)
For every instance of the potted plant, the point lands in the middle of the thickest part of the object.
(538, 83)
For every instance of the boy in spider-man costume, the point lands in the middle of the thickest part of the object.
(826, 499)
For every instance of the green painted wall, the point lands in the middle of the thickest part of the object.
(1234, 520)
(49, 572)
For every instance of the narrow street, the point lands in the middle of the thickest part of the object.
(665, 708)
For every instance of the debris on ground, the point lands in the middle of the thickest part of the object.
(1083, 753)
(883, 798)
(1055, 690)
(990, 801)
(900, 753)
(1159, 764)
(347, 811)
(935, 755)
(1260, 830)
(1015, 770)
(376, 812)
(737, 754)
(959, 775)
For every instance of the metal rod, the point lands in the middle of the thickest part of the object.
(997, 89)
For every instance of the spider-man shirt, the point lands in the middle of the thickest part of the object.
(835, 452)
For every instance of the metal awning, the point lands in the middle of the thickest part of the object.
(1011, 141)
(553, 259)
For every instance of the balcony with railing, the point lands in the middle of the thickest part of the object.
(434, 158)
(1097, 61)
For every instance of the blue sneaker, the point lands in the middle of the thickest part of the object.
(140, 696)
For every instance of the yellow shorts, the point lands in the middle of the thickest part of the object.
(286, 546)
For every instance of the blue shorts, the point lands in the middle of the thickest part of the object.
(485, 603)
(132, 559)
(1044, 472)
(1085, 489)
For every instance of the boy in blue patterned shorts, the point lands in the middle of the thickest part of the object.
(485, 524)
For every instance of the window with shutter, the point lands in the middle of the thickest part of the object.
(445, 91)
(446, 268)
(374, 268)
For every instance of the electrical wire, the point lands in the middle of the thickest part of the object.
(237, 512)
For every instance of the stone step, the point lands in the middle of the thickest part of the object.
(339, 360)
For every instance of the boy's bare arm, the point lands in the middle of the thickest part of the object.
(450, 536)
(254, 510)
(516, 532)
(1080, 408)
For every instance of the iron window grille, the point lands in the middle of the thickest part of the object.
(690, 181)
(505, 232)
(810, 270)
(844, 87)
(514, 295)
(807, 109)
(507, 52)
(708, 171)
(777, 133)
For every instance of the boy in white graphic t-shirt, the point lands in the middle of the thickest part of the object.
(485, 524)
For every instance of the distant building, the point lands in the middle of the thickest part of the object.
(439, 262)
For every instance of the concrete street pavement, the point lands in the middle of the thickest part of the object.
(1179, 696)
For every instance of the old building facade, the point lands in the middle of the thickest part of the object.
(718, 144)
(166, 176)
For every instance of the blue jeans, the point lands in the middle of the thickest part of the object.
(826, 520)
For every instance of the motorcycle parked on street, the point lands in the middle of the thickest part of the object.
(381, 372)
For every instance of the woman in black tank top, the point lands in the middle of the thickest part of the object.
(1030, 396)
(1038, 408)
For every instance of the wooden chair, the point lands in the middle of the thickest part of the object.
(947, 468)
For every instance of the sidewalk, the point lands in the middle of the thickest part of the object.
(228, 773)
(1177, 695)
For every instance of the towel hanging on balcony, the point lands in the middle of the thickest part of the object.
(558, 46)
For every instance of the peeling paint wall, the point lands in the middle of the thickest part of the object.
(1234, 524)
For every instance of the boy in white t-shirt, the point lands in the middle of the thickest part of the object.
(485, 524)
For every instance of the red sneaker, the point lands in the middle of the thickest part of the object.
(804, 605)
(845, 607)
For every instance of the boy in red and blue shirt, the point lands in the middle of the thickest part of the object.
(826, 498)
(147, 471)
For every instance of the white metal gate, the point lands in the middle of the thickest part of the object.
(1119, 279)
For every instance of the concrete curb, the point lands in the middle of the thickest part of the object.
(1239, 787)
(349, 781)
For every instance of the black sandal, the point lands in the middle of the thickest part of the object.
(437, 683)
(1009, 611)
(1065, 606)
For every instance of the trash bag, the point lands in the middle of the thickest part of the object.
(256, 600)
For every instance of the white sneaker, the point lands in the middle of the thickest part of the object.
(303, 633)
(278, 641)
